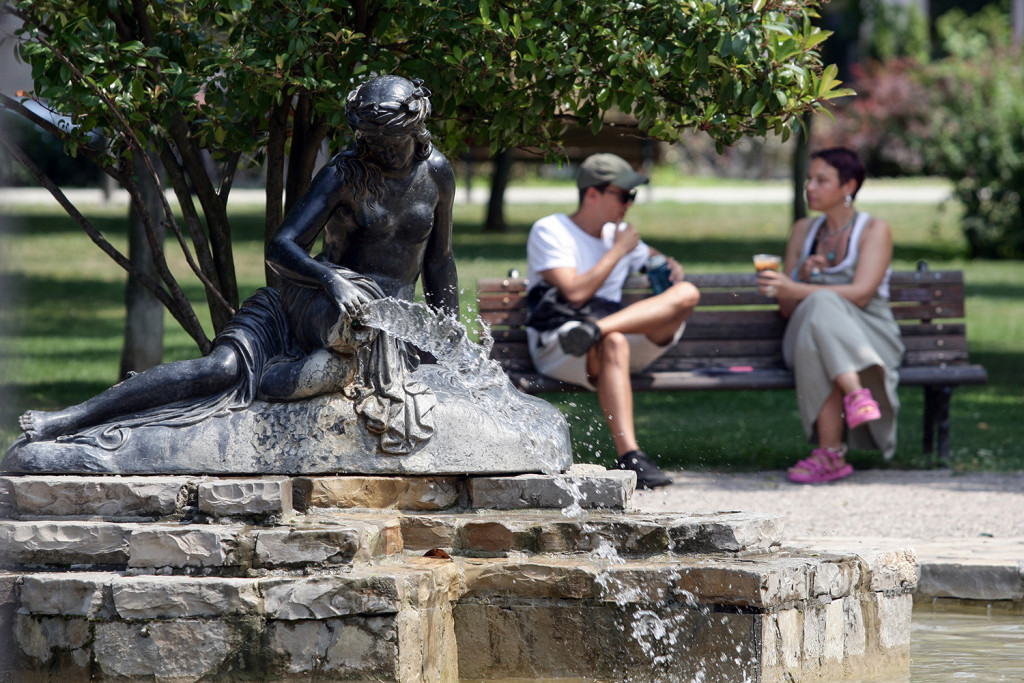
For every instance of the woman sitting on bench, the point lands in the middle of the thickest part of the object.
(842, 341)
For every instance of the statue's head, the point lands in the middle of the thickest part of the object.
(390, 106)
(387, 115)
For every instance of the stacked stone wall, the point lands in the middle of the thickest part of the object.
(424, 579)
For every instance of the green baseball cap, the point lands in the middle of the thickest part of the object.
(598, 169)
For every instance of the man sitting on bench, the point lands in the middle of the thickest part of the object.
(578, 331)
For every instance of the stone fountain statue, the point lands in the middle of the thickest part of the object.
(298, 381)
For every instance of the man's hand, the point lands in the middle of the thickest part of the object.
(675, 270)
(626, 239)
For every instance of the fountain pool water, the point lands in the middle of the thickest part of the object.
(962, 643)
(980, 644)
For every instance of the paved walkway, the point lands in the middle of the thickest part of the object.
(756, 193)
(967, 529)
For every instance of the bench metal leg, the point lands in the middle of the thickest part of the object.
(936, 420)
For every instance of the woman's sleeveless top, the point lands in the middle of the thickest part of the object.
(842, 272)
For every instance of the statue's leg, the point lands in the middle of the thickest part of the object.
(158, 386)
(321, 372)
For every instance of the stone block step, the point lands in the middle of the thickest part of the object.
(588, 487)
(496, 534)
(340, 539)
(985, 569)
(792, 615)
(754, 582)
(262, 499)
(224, 549)
(797, 614)
(109, 498)
(142, 499)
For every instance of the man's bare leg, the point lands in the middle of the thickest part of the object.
(608, 363)
(158, 386)
(657, 316)
(614, 391)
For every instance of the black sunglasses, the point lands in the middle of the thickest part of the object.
(624, 197)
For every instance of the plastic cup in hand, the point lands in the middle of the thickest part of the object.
(767, 262)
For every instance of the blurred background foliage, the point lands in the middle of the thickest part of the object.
(950, 106)
(940, 92)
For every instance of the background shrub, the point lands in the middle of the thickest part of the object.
(960, 116)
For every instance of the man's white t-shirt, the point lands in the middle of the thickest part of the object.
(556, 242)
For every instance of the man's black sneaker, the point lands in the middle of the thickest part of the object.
(579, 339)
(648, 476)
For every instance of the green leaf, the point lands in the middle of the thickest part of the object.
(816, 38)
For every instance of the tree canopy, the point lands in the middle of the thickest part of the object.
(264, 82)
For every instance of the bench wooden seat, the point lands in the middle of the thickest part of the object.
(733, 340)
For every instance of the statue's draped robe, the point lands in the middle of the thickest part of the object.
(283, 326)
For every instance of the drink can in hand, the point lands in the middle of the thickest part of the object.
(658, 273)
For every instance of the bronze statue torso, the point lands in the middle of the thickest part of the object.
(386, 239)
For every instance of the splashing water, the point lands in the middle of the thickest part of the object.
(468, 367)
(605, 551)
(442, 336)
(572, 487)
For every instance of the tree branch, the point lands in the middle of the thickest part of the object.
(275, 179)
(206, 269)
(213, 208)
(175, 301)
(93, 155)
(134, 143)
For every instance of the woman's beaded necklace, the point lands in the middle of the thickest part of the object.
(830, 241)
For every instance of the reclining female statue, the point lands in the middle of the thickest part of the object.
(384, 207)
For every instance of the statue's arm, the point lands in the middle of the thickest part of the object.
(288, 253)
(440, 278)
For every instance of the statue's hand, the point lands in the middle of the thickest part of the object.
(349, 298)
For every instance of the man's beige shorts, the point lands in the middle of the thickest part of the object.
(549, 358)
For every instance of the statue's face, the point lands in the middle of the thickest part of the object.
(392, 152)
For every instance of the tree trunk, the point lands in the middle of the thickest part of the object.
(801, 150)
(274, 190)
(144, 314)
(1017, 21)
(495, 221)
(308, 132)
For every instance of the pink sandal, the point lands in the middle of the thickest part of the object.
(860, 408)
(825, 464)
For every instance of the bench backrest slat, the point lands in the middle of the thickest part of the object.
(734, 325)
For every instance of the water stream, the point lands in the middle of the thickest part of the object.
(467, 366)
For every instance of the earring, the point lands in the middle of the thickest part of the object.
(849, 200)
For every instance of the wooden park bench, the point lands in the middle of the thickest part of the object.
(733, 340)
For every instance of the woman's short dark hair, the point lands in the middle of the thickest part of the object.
(846, 162)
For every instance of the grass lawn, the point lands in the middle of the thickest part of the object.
(61, 323)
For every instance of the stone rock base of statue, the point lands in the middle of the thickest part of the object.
(437, 578)
(323, 435)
